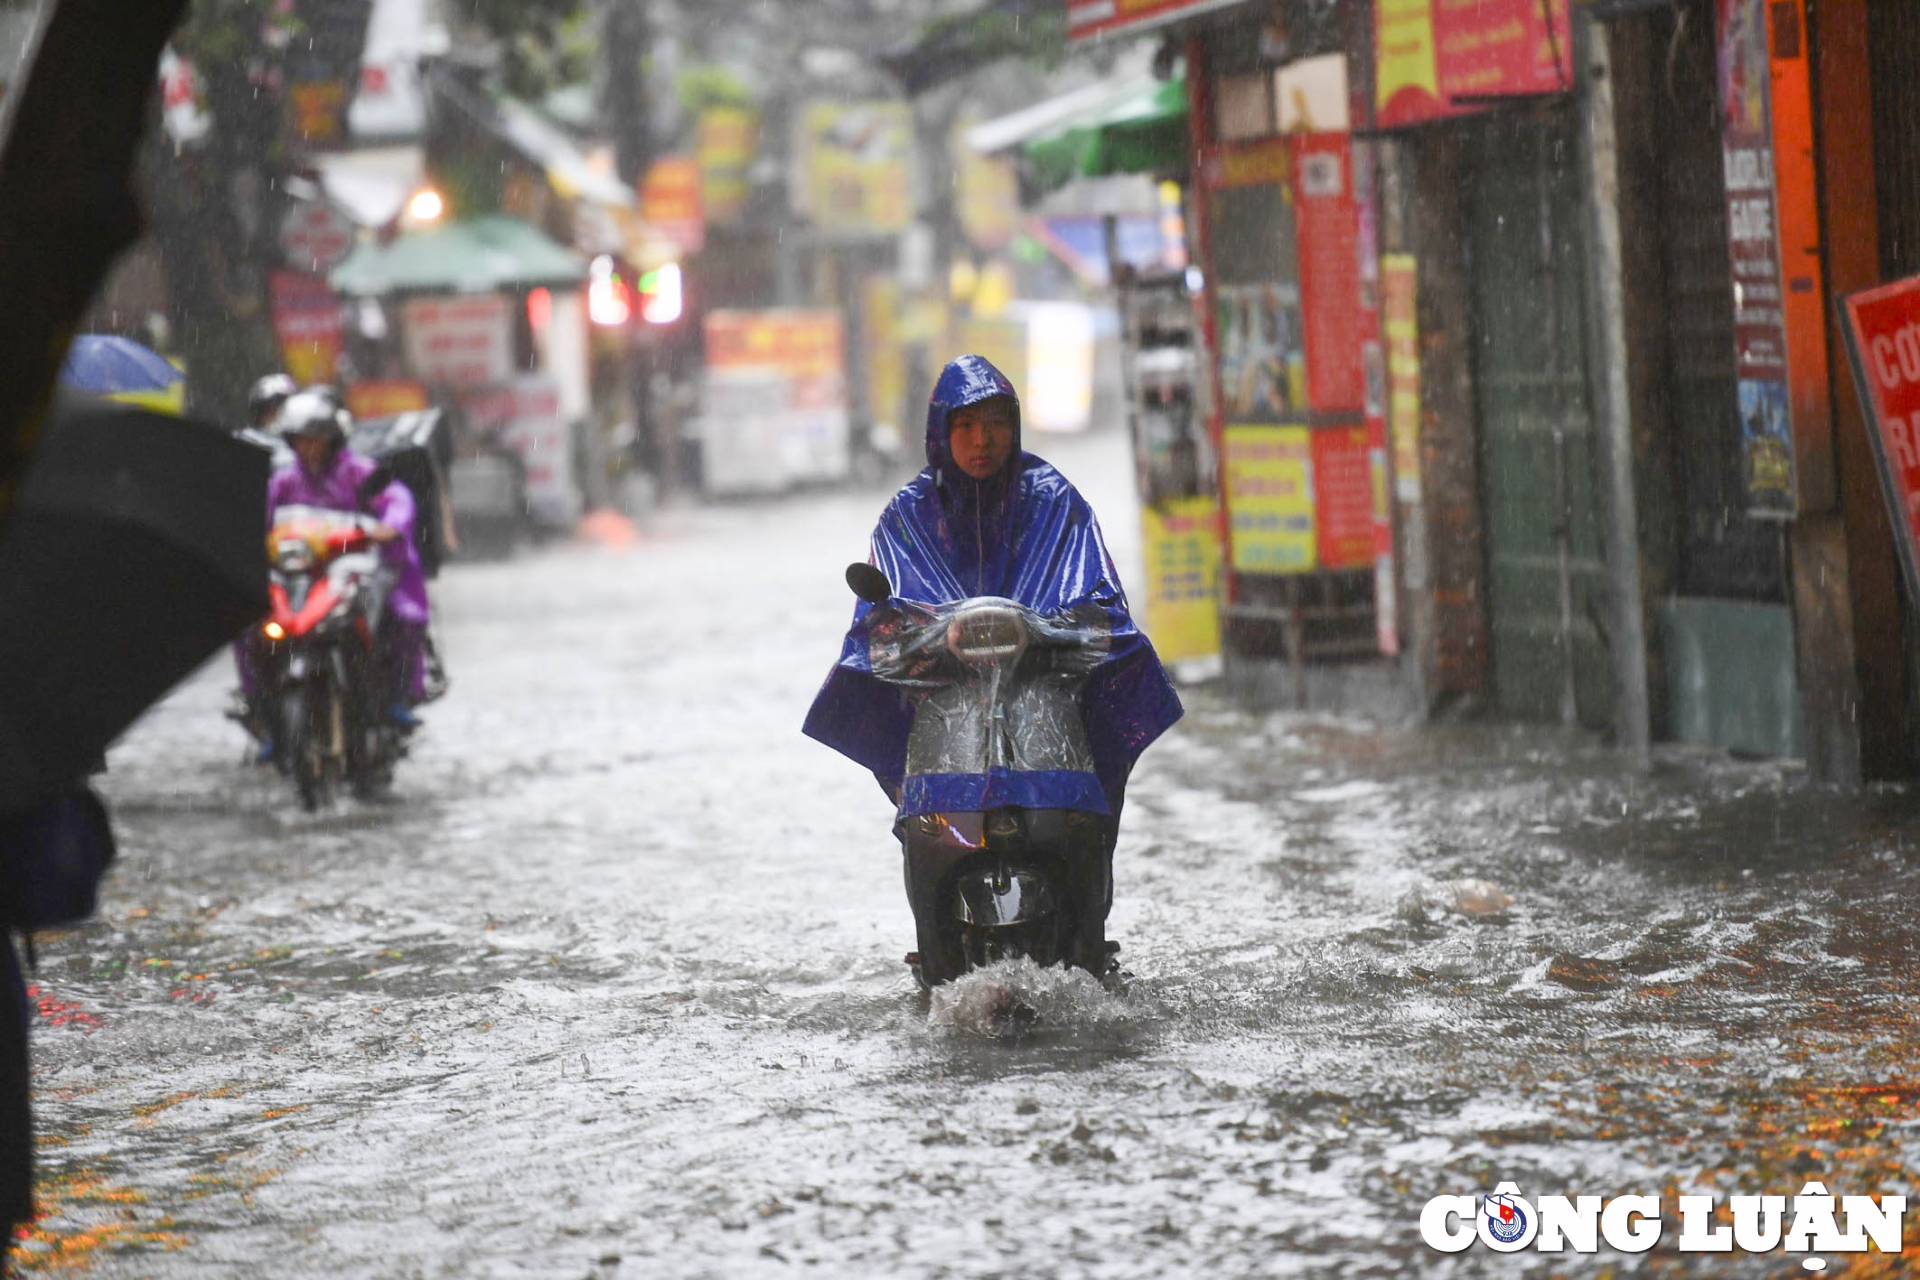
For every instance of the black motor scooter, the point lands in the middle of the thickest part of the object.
(996, 687)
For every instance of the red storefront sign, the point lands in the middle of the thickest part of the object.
(1881, 328)
(1089, 18)
(1327, 239)
(1437, 58)
(1343, 497)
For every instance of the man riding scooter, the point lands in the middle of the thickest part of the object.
(995, 526)
(328, 475)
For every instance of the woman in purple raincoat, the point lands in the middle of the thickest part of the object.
(328, 474)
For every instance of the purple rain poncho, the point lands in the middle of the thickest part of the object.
(339, 490)
(1025, 534)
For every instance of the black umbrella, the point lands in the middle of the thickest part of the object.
(135, 549)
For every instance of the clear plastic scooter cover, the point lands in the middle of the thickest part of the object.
(1019, 712)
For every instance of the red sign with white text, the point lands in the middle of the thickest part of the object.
(1343, 497)
(1882, 332)
(1438, 58)
(1327, 236)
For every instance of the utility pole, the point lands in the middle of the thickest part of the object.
(1627, 638)
(626, 35)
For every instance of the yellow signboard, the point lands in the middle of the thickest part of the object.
(989, 195)
(1182, 551)
(855, 166)
(1403, 52)
(1269, 487)
(1399, 319)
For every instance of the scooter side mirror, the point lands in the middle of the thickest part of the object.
(869, 583)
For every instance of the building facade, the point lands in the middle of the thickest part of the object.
(1526, 387)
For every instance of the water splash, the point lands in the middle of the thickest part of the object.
(1015, 997)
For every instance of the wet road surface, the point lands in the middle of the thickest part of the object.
(613, 987)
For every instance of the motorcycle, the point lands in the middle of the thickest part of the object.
(995, 689)
(324, 689)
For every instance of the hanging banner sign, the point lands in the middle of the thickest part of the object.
(1329, 257)
(1268, 481)
(1438, 58)
(1180, 542)
(1881, 329)
(1089, 18)
(1753, 243)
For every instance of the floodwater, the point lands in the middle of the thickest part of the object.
(614, 988)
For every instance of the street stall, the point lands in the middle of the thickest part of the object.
(485, 316)
(775, 400)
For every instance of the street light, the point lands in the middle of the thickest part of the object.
(426, 205)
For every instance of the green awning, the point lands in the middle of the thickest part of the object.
(1142, 128)
(478, 255)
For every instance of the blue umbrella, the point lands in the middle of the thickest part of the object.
(100, 364)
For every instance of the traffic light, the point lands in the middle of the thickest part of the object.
(660, 300)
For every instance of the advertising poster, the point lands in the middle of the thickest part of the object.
(1759, 320)
(1399, 320)
(855, 166)
(1263, 361)
(1438, 58)
(1181, 546)
(1267, 475)
(1881, 329)
(725, 139)
(1328, 229)
(670, 202)
(464, 341)
(306, 320)
(776, 399)
(1343, 498)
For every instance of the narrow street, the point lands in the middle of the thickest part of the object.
(613, 986)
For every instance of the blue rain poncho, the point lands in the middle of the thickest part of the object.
(1025, 534)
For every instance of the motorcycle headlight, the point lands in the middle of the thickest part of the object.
(987, 634)
(294, 556)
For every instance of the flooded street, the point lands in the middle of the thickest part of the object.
(613, 987)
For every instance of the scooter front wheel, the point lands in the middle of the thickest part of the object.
(305, 755)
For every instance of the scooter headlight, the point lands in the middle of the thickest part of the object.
(294, 556)
(987, 634)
